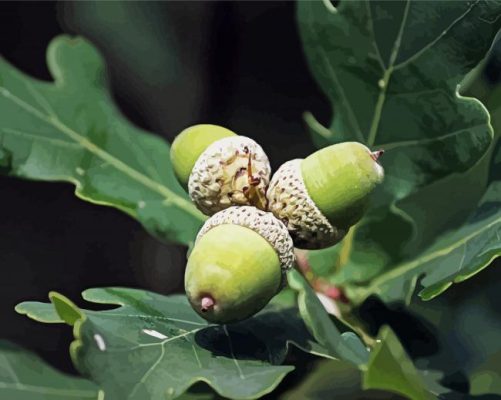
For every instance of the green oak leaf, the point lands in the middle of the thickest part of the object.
(70, 130)
(390, 368)
(24, 376)
(455, 257)
(156, 347)
(391, 71)
(345, 346)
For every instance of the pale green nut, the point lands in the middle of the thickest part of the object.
(321, 197)
(190, 144)
(220, 168)
(238, 264)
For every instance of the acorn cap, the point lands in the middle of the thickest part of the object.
(288, 200)
(231, 171)
(262, 222)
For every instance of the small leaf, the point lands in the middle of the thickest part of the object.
(70, 130)
(41, 312)
(391, 369)
(345, 346)
(65, 308)
(156, 347)
(24, 376)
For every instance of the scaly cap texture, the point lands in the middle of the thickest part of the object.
(231, 171)
(289, 201)
(261, 222)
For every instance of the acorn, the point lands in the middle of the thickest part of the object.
(320, 197)
(237, 264)
(220, 168)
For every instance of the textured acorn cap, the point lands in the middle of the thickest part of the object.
(288, 200)
(231, 171)
(262, 222)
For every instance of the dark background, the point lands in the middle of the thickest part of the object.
(171, 65)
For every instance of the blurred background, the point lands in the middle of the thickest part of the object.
(171, 65)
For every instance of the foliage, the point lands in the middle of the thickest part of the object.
(24, 376)
(70, 130)
(393, 73)
(390, 368)
(392, 70)
(155, 346)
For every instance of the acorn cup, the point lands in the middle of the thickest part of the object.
(320, 197)
(220, 169)
(237, 264)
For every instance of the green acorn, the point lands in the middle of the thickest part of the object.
(220, 168)
(238, 264)
(321, 196)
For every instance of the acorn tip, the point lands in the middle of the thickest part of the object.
(207, 303)
(376, 154)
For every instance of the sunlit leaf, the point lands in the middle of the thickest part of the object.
(70, 130)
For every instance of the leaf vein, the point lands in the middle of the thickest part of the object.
(385, 80)
(438, 38)
(415, 142)
(373, 34)
(91, 147)
(240, 373)
(34, 136)
(394, 273)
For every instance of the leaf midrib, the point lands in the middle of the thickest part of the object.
(378, 109)
(118, 164)
(162, 344)
(404, 268)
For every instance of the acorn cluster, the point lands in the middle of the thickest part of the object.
(243, 250)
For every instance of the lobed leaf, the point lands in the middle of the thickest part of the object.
(455, 256)
(391, 71)
(70, 130)
(156, 347)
